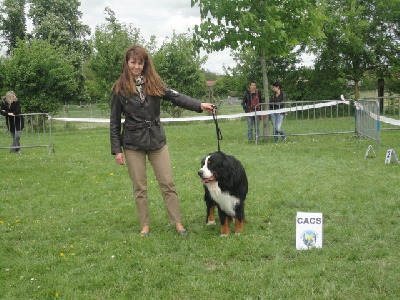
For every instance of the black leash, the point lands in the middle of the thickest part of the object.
(219, 135)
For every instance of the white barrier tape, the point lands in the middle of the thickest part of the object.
(390, 121)
(86, 120)
(299, 108)
(374, 116)
(205, 118)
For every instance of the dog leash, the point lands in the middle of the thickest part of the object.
(219, 135)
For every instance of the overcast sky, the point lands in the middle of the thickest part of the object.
(153, 17)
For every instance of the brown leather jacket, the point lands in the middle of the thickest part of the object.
(142, 129)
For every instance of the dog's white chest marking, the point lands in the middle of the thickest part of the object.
(224, 200)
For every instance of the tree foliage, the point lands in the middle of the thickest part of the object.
(280, 68)
(271, 28)
(2, 75)
(40, 75)
(179, 66)
(58, 21)
(393, 82)
(360, 36)
(110, 42)
(12, 23)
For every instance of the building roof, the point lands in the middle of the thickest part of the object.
(210, 83)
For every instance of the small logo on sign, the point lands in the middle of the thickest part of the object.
(309, 238)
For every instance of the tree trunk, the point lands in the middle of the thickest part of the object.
(381, 93)
(266, 93)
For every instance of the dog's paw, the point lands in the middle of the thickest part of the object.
(222, 235)
(210, 223)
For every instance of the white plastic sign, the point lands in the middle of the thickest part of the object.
(391, 157)
(308, 230)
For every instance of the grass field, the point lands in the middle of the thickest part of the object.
(68, 226)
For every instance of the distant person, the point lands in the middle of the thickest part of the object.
(251, 99)
(277, 101)
(137, 96)
(11, 109)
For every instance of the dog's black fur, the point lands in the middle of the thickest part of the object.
(226, 186)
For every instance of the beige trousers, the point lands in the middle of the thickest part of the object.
(161, 163)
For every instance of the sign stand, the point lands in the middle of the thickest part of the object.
(391, 157)
(370, 152)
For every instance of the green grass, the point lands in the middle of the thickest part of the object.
(68, 226)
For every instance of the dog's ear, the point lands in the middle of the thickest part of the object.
(230, 166)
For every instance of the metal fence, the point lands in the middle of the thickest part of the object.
(389, 110)
(367, 119)
(36, 132)
(310, 118)
(364, 117)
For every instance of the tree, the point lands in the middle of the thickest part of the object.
(361, 36)
(281, 68)
(2, 75)
(110, 42)
(12, 23)
(179, 66)
(41, 76)
(271, 28)
(393, 83)
(58, 22)
(221, 87)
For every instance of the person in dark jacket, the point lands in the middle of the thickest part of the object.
(277, 101)
(137, 96)
(251, 99)
(11, 109)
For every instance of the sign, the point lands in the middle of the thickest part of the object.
(308, 230)
(391, 157)
(370, 152)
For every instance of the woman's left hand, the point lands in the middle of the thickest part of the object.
(208, 107)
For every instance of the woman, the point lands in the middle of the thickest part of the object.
(277, 101)
(11, 109)
(137, 95)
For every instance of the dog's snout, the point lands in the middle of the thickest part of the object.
(200, 173)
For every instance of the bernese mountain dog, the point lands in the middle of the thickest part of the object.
(226, 186)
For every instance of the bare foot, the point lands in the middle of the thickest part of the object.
(145, 230)
(179, 227)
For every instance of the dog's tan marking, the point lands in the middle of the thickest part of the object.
(210, 217)
(225, 228)
(238, 226)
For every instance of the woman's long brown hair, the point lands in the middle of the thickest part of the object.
(153, 84)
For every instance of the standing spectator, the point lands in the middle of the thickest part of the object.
(251, 99)
(277, 101)
(137, 96)
(11, 109)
